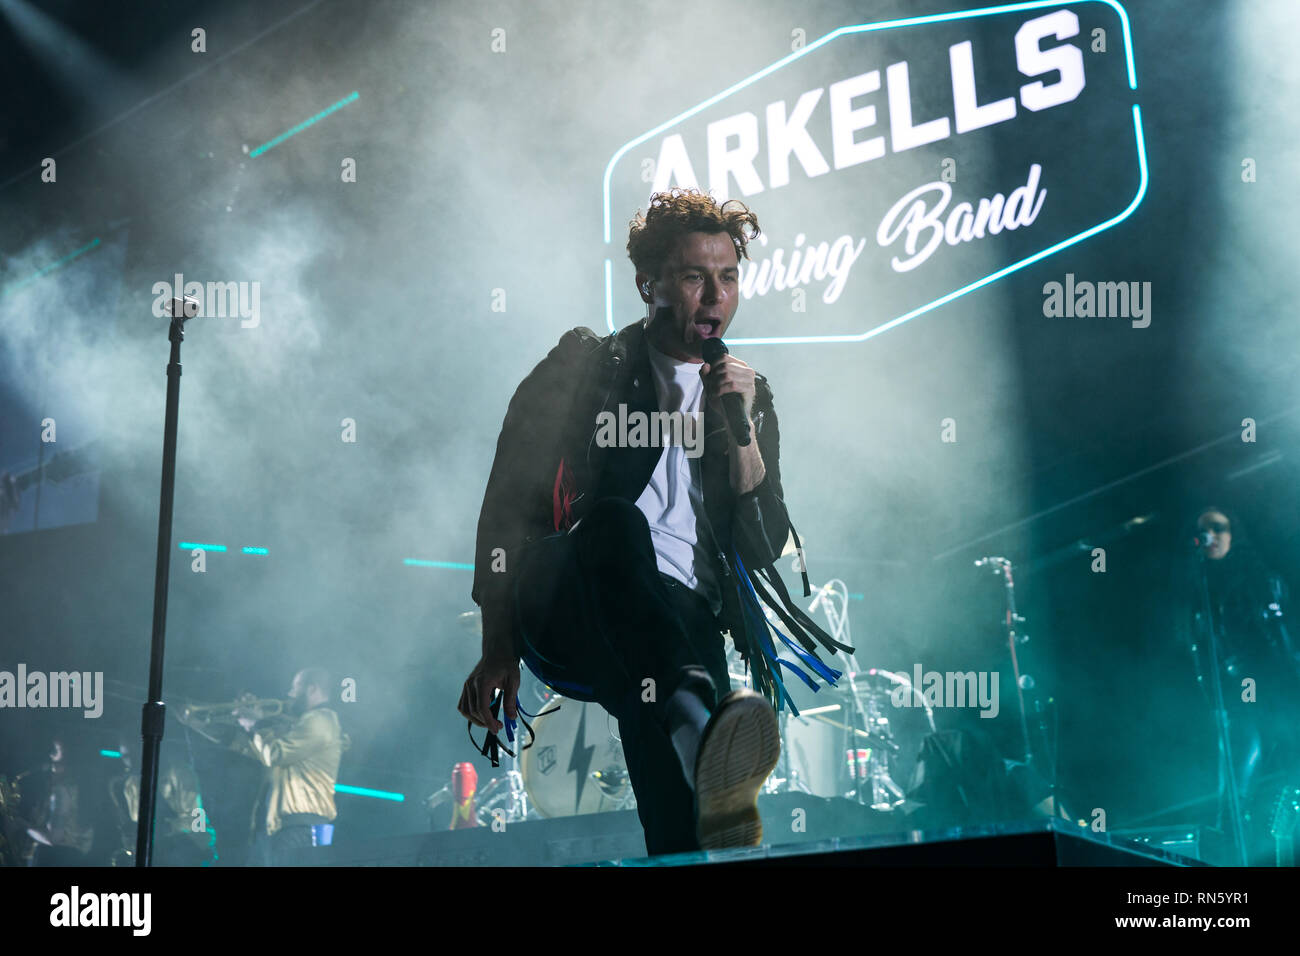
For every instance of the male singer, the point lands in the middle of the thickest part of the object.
(612, 567)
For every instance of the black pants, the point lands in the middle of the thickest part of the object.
(295, 833)
(1264, 753)
(599, 622)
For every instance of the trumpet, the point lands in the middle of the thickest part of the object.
(233, 710)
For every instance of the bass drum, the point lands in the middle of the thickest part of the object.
(575, 764)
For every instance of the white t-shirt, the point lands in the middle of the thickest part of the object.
(673, 501)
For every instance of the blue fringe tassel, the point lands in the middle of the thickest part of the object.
(757, 624)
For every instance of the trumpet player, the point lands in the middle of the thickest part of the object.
(301, 751)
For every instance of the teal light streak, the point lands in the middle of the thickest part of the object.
(868, 28)
(191, 545)
(46, 270)
(366, 792)
(303, 125)
(454, 565)
(115, 754)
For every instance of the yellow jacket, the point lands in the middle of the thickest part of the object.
(178, 798)
(303, 761)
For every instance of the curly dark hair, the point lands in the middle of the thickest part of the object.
(674, 213)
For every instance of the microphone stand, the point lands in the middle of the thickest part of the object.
(1002, 568)
(154, 713)
(1229, 774)
(1034, 767)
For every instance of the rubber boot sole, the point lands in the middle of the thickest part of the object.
(740, 750)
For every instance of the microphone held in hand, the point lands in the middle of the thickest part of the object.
(732, 403)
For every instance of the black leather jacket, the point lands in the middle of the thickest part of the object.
(549, 469)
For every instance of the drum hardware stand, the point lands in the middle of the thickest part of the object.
(880, 736)
(785, 779)
(882, 784)
(850, 745)
(855, 791)
(874, 724)
(839, 626)
(1227, 769)
(518, 811)
(628, 800)
(514, 797)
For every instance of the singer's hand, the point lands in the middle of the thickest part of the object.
(729, 374)
(488, 676)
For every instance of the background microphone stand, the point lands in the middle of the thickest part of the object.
(154, 713)
(1011, 619)
(1036, 774)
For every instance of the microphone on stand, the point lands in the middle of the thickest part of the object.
(821, 593)
(184, 307)
(733, 404)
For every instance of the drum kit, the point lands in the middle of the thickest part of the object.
(859, 745)
(582, 737)
(574, 765)
(852, 741)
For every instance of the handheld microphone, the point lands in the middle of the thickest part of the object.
(732, 404)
